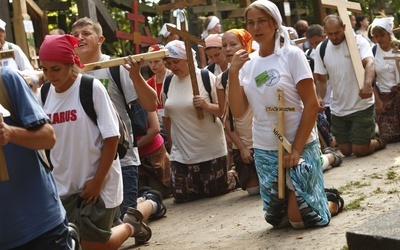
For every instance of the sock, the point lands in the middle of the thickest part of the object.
(132, 229)
(141, 199)
(325, 163)
(155, 206)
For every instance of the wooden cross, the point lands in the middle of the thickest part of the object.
(283, 143)
(136, 36)
(343, 7)
(188, 38)
(396, 58)
(4, 54)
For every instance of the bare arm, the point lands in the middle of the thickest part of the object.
(369, 76)
(167, 125)
(379, 106)
(39, 137)
(309, 98)
(320, 82)
(201, 102)
(92, 188)
(236, 96)
(245, 153)
(152, 130)
(221, 101)
(147, 96)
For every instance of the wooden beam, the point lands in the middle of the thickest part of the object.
(179, 4)
(343, 7)
(87, 8)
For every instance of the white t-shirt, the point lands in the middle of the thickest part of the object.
(261, 77)
(77, 151)
(193, 140)
(345, 99)
(132, 155)
(387, 75)
(20, 60)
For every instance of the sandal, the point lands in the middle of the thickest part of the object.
(337, 159)
(382, 143)
(333, 195)
(156, 196)
(142, 233)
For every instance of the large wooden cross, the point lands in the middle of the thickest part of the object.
(283, 143)
(136, 36)
(343, 6)
(215, 8)
(188, 38)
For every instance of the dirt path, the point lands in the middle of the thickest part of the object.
(369, 186)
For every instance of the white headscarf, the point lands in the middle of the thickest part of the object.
(164, 32)
(280, 31)
(385, 23)
(213, 22)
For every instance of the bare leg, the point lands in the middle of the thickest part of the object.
(119, 235)
(293, 208)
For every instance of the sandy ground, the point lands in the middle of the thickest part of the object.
(369, 186)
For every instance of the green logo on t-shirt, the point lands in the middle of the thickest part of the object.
(262, 78)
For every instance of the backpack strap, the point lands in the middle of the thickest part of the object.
(206, 81)
(167, 82)
(308, 53)
(374, 50)
(86, 96)
(224, 82)
(322, 49)
(44, 91)
(211, 67)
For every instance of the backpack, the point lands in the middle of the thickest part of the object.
(211, 67)
(322, 49)
(86, 98)
(204, 76)
(309, 58)
(136, 113)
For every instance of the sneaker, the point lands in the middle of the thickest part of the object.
(74, 232)
(156, 196)
(142, 232)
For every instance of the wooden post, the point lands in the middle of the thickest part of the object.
(343, 7)
(282, 142)
(24, 38)
(3, 166)
(136, 35)
(187, 39)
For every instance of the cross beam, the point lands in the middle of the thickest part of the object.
(343, 6)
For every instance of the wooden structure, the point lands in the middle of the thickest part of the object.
(343, 6)
(282, 142)
(188, 38)
(136, 36)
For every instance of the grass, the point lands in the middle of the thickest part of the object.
(355, 204)
(352, 185)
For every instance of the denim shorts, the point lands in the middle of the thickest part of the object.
(130, 176)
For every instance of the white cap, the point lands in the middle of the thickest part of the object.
(2, 25)
(164, 32)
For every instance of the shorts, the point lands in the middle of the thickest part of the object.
(194, 181)
(93, 221)
(357, 128)
(306, 179)
(130, 176)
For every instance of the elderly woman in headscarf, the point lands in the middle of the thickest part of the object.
(198, 149)
(254, 81)
(239, 129)
(386, 90)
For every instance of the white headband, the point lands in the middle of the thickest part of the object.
(278, 19)
(213, 22)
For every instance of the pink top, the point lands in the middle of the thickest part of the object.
(152, 146)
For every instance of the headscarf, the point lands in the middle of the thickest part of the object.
(60, 48)
(385, 23)
(213, 22)
(280, 31)
(155, 47)
(213, 40)
(177, 50)
(244, 37)
(3, 25)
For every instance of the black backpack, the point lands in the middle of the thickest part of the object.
(136, 113)
(86, 98)
(204, 76)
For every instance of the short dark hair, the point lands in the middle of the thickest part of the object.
(315, 30)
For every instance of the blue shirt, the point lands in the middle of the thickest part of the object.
(30, 205)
